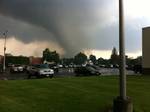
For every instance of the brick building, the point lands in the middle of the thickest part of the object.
(35, 60)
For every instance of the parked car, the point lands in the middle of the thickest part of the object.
(40, 70)
(137, 69)
(16, 68)
(28, 68)
(54, 67)
(86, 71)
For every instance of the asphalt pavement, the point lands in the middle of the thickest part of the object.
(63, 72)
(7, 75)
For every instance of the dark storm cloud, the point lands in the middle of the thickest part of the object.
(109, 38)
(26, 32)
(56, 16)
(74, 24)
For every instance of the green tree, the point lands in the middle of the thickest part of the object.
(50, 56)
(80, 58)
(114, 57)
(55, 57)
(17, 60)
(92, 58)
(133, 62)
(102, 61)
(46, 54)
(67, 61)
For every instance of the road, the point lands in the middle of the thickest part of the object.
(63, 72)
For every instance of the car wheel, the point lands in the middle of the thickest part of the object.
(51, 76)
(29, 76)
(11, 71)
(37, 75)
(98, 74)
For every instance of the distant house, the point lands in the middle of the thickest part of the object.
(35, 60)
(146, 50)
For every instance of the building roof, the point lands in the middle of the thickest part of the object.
(147, 27)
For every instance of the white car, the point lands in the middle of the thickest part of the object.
(16, 68)
(40, 70)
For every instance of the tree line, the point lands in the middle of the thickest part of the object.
(79, 59)
(82, 58)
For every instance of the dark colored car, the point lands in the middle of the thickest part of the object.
(137, 69)
(86, 71)
(54, 67)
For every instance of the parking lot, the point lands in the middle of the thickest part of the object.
(63, 72)
(24, 75)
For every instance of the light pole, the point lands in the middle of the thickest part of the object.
(4, 61)
(122, 103)
(122, 52)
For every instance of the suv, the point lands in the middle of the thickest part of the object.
(40, 70)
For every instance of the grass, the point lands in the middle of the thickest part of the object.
(78, 94)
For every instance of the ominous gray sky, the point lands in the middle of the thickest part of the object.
(74, 25)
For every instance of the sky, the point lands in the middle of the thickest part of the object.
(71, 26)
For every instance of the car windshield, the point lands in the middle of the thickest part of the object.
(95, 67)
(42, 66)
(91, 68)
(17, 65)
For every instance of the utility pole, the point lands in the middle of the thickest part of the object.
(122, 103)
(122, 52)
(4, 61)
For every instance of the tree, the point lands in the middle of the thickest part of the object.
(67, 61)
(133, 62)
(92, 58)
(17, 60)
(55, 56)
(50, 56)
(102, 61)
(114, 57)
(80, 58)
(46, 54)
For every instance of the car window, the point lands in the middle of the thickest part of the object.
(42, 66)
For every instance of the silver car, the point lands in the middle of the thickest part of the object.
(40, 70)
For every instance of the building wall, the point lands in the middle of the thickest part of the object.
(146, 50)
(35, 60)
